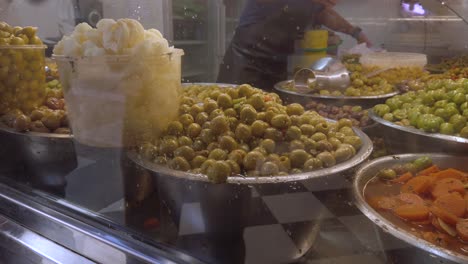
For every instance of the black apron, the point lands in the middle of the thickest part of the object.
(258, 53)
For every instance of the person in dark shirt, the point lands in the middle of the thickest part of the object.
(266, 34)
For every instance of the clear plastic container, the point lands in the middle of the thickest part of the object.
(120, 101)
(22, 77)
(394, 59)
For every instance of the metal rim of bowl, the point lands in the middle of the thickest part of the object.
(279, 87)
(387, 225)
(361, 155)
(10, 130)
(416, 131)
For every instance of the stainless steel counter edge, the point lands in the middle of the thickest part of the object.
(18, 243)
(96, 243)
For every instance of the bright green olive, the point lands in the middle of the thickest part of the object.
(185, 141)
(179, 163)
(295, 109)
(224, 101)
(307, 129)
(269, 145)
(219, 125)
(185, 152)
(327, 159)
(269, 169)
(313, 164)
(318, 136)
(194, 130)
(219, 172)
(228, 143)
(197, 161)
(296, 144)
(258, 128)
(243, 132)
(201, 118)
(253, 160)
(387, 174)
(237, 155)
(293, 132)
(298, 157)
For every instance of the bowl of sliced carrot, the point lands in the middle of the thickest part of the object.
(421, 199)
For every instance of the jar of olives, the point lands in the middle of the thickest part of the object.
(22, 69)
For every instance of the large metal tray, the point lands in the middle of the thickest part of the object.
(303, 99)
(369, 170)
(403, 139)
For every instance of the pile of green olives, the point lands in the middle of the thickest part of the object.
(442, 107)
(242, 130)
(22, 71)
(51, 117)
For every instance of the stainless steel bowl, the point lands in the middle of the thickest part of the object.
(44, 158)
(403, 139)
(228, 208)
(303, 99)
(369, 170)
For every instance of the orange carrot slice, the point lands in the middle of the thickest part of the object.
(449, 173)
(430, 170)
(412, 212)
(418, 185)
(445, 215)
(447, 185)
(452, 202)
(410, 198)
(462, 229)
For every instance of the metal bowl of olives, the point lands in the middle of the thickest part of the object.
(404, 139)
(290, 96)
(404, 231)
(228, 206)
(44, 158)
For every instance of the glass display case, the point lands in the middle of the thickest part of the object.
(215, 131)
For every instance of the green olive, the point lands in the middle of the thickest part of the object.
(224, 101)
(387, 174)
(422, 163)
(269, 145)
(185, 141)
(275, 158)
(348, 131)
(201, 118)
(257, 101)
(253, 160)
(322, 127)
(245, 90)
(327, 159)
(295, 109)
(344, 122)
(235, 168)
(210, 105)
(197, 161)
(293, 132)
(212, 146)
(195, 110)
(207, 136)
(179, 163)
(22, 123)
(354, 141)
(198, 145)
(307, 129)
(206, 165)
(313, 164)
(295, 120)
(237, 155)
(215, 113)
(52, 120)
(186, 120)
(194, 130)
(185, 152)
(296, 144)
(281, 121)
(219, 172)
(335, 142)
(243, 133)
(228, 143)
(258, 128)
(343, 154)
(324, 145)
(318, 136)
(298, 157)
(248, 114)
(230, 112)
(219, 125)
(285, 164)
(464, 132)
(269, 169)
(217, 154)
(175, 128)
(273, 134)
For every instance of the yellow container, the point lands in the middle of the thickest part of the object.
(310, 58)
(315, 39)
(22, 77)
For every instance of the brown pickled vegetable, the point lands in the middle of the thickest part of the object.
(243, 130)
(47, 118)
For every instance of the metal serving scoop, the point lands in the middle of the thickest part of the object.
(327, 73)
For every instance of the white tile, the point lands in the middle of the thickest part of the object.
(269, 245)
(296, 207)
(114, 207)
(191, 220)
(370, 235)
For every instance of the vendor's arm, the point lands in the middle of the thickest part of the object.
(334, 21)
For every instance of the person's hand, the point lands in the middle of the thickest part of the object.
(363, 39)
